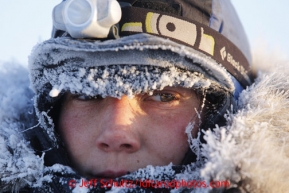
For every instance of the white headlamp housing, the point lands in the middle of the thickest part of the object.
(86, 18)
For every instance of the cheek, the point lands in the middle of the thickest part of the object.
(72, 124)
(167, 134)
(68, 124)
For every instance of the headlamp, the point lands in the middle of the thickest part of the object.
(86, 18)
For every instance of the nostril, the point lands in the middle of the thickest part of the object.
(104, 146)
(126, 146)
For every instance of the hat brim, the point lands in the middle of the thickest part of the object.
(66, 54)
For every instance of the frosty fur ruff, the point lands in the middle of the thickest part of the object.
(252, 151)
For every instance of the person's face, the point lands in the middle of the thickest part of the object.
(109, 137)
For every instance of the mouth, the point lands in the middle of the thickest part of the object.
(111, 174)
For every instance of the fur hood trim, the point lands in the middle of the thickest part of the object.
(19, 165)
(253, 150)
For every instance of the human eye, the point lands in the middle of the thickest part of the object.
(83, 97)
(164, 97)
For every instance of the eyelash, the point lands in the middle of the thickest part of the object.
(83, 97)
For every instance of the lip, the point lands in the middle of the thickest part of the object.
(111, 174)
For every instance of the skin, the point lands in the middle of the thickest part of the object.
(109, 137)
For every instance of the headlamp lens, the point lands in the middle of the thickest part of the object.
(79, 11)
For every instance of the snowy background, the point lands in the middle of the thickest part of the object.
(25, 23)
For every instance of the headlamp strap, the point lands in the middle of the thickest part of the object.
(187, 32)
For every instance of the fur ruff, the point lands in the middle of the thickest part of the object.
(253, 150)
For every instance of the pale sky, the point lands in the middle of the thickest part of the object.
(25, 23)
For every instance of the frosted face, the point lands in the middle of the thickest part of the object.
(108, 137)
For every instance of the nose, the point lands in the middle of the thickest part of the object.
(118, 128)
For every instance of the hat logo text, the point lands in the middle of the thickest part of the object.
(223, 53)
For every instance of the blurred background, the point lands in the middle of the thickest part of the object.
(26, 23)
